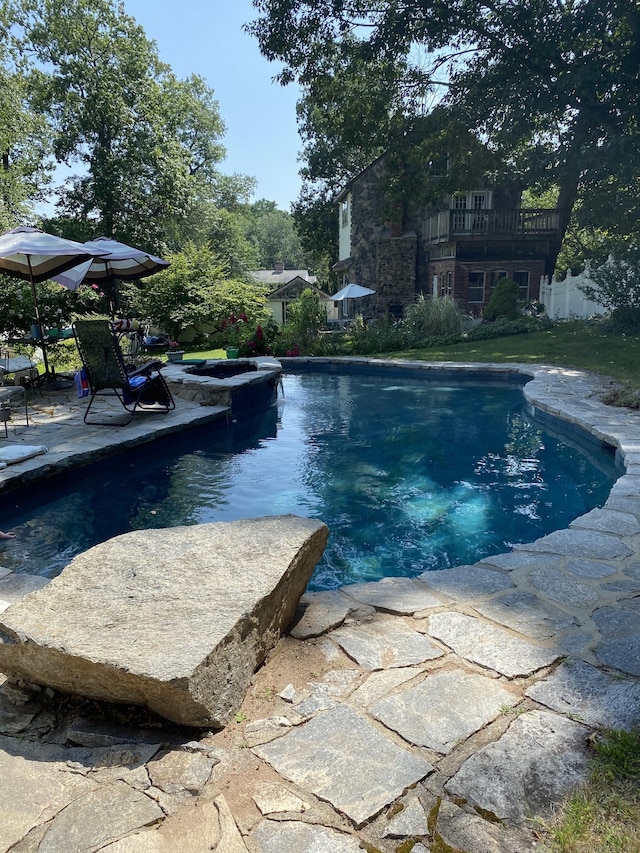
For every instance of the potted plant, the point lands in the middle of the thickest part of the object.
(174, 353)
(233, 329)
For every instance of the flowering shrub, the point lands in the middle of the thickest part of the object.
(233, 329)
(17, 311)
(260, 342)
(256, 345)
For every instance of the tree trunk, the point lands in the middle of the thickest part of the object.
(569, 174)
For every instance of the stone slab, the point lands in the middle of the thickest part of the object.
(323, 611)
(618, 621)
(468, 832)
(557, 586)
(489, 646)
(590, 568)
(622, 654)
(579, 543)
(527, 613)
(466, 583)
(344, 760)
(100, 817)
(271, 799)
(14, 586)
(293, 836)
(381, 682)
(200, 826)
(624, 503)
(590, 696)
(519, 560)
(176, 620)
(394, 595)
(632, 570)
(608, 521)
(178, 771)
(25, 804)
(444, 709)
(539, 760)
(619, 646)
(411, 821)
(385, 643)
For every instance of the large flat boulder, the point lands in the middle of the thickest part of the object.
(175, 620)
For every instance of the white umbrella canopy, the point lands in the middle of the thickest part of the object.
(352, 291)
(31, 254)
(117, 260)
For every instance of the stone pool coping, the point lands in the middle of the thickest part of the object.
(428, 708)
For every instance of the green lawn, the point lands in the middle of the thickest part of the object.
(574, 344)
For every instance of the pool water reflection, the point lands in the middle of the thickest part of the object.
(408, 474)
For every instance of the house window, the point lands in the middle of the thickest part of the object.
(479, 220)
(521, 278)
(476, 287)
(459, 205)
(498, 276)
(345, 212)
(448, 285)
(465, 207)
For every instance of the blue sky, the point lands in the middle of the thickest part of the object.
(205, 37)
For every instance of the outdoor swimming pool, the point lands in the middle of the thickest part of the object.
(409, 475)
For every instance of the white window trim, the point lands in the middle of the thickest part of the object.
(484, 287)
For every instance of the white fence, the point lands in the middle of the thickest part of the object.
(563, 299)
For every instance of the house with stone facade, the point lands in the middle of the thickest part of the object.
(460, 248)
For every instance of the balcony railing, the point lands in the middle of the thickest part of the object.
(518, 223)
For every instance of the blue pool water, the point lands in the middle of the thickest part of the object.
(408, 474)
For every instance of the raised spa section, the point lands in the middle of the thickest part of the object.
(245, 386)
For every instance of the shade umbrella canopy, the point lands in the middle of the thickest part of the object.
(31, 254)
(352, 291)
(116, 261)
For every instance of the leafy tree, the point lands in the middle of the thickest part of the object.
(146, 142)
(277, 240)
(616, 282)
(552, 85)
(24, 170)
(194, 289)
(305, 317)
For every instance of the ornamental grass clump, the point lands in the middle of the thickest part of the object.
(431, 317)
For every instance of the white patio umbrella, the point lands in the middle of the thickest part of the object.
(30, 254)
(117, 261)
(351, 291)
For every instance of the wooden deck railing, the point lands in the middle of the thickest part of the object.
(518, 223)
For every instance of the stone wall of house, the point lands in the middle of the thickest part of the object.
(395, 272)
(369, 211)
(385, 258)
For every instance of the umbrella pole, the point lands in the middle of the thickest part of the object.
(36, 309)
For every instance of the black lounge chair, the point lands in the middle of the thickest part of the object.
(140, 390)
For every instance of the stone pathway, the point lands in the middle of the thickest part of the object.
(448, 712)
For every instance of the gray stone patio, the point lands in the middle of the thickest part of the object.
(453, 709)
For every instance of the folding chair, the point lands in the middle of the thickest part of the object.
(141, 390)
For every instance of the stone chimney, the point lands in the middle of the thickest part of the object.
(279, 267)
